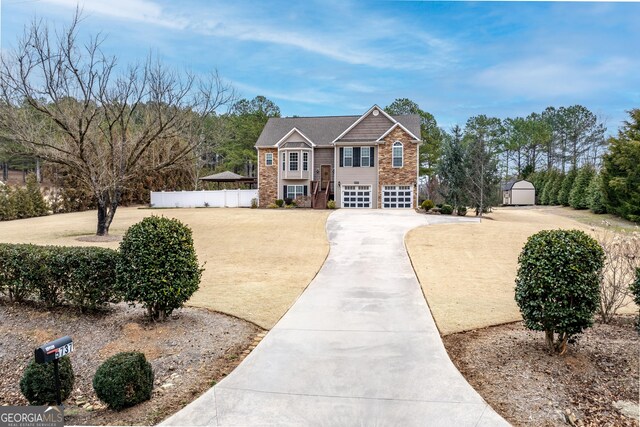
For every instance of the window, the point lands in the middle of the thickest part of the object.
(294, 191)
(284, 161)
(348, 156)
(305, 161)
(293, 161)
(268, 159)
(365, 157)
(397, 154)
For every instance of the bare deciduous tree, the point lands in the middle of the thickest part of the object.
(622, 257)
(66, 102)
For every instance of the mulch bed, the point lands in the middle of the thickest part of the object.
(513, 371)
(189, 353)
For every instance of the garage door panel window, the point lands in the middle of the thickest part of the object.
(397, 196)
(356, 196)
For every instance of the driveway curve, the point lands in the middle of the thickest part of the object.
(359, 347)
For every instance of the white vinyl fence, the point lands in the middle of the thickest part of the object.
(193, 199)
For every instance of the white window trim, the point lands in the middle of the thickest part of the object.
(350, 157)
(367, 150)
(393, 157)
(296, 193)
(268, 159)
(297, 161)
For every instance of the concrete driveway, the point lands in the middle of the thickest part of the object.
(359, 347)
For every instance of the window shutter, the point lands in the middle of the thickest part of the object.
(341, 157)
(284, 195)
(356, 157)
(371, 156)
(305, 190)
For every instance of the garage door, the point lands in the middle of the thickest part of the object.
(356, 196)
(397, 196)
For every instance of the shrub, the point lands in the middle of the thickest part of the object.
(578, 195)
(595, 195)
(557, 285)
(124, 380)
(288, 200)
(38, 205)
(331, 204)
(88, 279)
(254, 203)
(462, 210)
(21, 271)
(427, 204)
(82, 277)
(272, 206)
(446, 209)
(38, 383)
(158, 266)
(279, 203)
(635, 288)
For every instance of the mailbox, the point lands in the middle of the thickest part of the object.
(54, 350)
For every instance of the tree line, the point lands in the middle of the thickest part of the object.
(110, 134)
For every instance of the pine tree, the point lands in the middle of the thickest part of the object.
(595, 195)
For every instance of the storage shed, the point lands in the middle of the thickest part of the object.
(518, 193)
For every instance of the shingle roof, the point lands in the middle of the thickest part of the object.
(321, 130)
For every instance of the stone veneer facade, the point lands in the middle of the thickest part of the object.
(267, 177)
(408, 173)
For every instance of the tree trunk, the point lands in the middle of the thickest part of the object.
(107, 206)
(548, 336)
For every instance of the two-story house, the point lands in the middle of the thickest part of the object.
(367, 161)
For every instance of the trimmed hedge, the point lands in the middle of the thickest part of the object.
(124, 380)
(38, 383)
(446, 209)
(53, 275)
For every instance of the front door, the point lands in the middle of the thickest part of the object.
(325, 176)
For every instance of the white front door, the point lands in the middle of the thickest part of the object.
(356, 196)
(397, 196)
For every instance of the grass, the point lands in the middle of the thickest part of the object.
(467, 271)
(257, 261)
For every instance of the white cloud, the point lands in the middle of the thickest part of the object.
(135, 10)
(545, 77)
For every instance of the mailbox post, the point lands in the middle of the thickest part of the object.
(52, 352)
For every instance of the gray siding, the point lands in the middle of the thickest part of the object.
(322, 156)
(359, 175)
(369, 129)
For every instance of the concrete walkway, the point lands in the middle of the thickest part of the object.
(359, 347)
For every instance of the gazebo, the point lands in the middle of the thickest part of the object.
(228, 176)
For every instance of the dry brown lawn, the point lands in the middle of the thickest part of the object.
(257, 261)
(468, 271)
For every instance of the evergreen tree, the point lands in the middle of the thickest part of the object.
(621, 170)
(451, 169)
(565, 189)
(39, 206)
(578, 196)
(554, 191)
(595, 195)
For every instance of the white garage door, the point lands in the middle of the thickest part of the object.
(356, 196)
(397, 196)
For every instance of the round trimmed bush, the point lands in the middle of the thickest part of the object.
(558, 284)
(38, 383)
(124, 380)
(427, 204)
(461, 211)
(158, 266)
(446, 209)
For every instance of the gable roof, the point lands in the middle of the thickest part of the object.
(321, 130)
(291, 132)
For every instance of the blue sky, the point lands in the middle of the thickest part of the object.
(455, 59)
